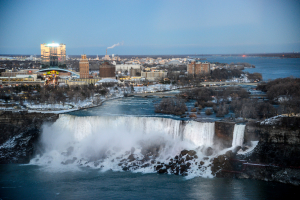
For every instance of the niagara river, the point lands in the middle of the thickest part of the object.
(84, 156)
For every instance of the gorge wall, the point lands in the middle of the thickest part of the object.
(275, 158)
(19, 132)
(224, 134)
(278, 145)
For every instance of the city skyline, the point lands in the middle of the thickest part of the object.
(151, 27)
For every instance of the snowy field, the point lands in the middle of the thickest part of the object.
(154, 88)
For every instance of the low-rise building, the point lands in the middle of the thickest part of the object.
(124, 67)
(154, 75)
(88, 80)
(74, 83)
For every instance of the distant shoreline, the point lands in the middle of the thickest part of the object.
(278, 55)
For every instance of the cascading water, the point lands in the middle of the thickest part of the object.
(134, 143)
(238, 135)
(201, 134)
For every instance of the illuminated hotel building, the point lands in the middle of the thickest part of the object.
(84, 67)
(53, 54)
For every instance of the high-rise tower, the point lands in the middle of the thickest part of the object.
(53, 54)
(84, 67)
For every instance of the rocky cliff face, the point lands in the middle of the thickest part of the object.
(275, 158)
(278, 145)
(19, 132)
(223, 134)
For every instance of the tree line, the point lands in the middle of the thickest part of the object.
(285, 92)
(34, 94)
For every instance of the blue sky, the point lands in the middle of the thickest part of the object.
(151, 27)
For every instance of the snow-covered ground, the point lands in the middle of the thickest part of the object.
(114, 92)
(272, 121)
(154, 88)
(68, 106)
(48, 106)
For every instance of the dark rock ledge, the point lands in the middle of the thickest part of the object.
(19, 132)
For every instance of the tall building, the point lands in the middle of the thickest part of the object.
(84, 67)
(107, 70)
(198, 68)
(53, 54)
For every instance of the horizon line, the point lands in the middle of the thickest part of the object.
(198, 54)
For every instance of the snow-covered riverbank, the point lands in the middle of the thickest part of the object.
(96, 100)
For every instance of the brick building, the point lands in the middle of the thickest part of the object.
(198, 68)
(107, 70)
(84, 67)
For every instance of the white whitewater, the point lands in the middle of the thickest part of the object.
(238, 135)
(74, 141)
(201, 134)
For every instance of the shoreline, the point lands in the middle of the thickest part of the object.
(80, 108)
(137, 94)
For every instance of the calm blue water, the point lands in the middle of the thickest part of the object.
(139, 106)
(270, 68)
(32, 182)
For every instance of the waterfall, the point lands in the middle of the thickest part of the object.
(238, 135)
(81, 127)
(201, 134)
(91, 140)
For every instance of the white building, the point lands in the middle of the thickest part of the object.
(154, 75)
(124, 67)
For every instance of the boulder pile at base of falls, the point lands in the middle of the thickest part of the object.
(178, 165)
